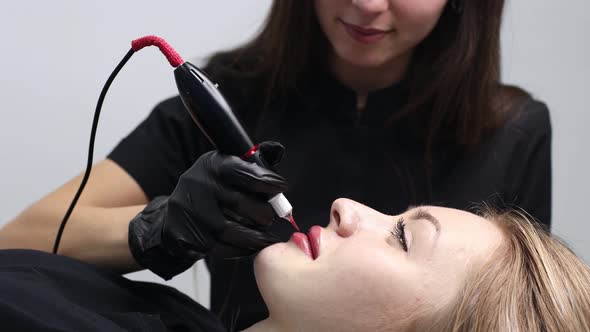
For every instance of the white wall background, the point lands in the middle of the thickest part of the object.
(55, 58)
(546, 49)
(56, 55)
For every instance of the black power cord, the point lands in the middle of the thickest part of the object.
(90, 148)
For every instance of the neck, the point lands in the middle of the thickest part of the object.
(267, 325)
(363, 79)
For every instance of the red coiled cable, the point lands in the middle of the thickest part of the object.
(170, 54)
(136, 45)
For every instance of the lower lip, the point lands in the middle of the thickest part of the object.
(302, 242)
(365, 38)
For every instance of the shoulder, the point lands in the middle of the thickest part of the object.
(171, 103)
(527, 116)
(169, 106)
(239, 83)
(234, 75)
(167, 111)
(525, 127)
(532, 118)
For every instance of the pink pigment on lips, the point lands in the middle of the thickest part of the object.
(314, 240)
(364, 35)
(367, 31)
(302, 242)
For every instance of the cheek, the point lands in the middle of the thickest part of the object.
(326, 8)
(330, 12)
(326, 11)
(375, 279)
(416, 18)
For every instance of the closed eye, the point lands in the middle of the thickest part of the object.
(399, 231)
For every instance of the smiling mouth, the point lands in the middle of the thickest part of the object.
(364, 35)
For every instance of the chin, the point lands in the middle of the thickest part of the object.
(364, 59)
(273, 270)
(269, 256)
(276, 259)
(280, 262)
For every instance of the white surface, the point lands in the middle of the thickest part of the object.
(56, 55)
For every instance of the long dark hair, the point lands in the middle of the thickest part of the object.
(454, 77)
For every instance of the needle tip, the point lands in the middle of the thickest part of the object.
(292, 221)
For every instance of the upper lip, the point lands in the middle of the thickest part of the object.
(314, 240)
(365, 30)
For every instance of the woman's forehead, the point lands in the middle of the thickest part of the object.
(444, 214)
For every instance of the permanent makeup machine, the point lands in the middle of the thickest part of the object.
(207, 107)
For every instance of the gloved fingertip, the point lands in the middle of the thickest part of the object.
(272, 152)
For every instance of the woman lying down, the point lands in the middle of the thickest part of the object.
(428, 269)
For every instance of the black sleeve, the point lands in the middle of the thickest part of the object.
(532, 170)
(45, 292)
(161, 148)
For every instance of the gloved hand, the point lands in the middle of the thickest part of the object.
(219, 207)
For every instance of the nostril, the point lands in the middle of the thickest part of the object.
(336, 217)
(344, 217)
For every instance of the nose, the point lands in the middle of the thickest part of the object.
(371, 6)
(344, 217)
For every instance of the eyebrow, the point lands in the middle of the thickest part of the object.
(421, 213)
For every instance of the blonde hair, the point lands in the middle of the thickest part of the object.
(534, 282)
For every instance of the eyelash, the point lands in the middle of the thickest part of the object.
(399, 231)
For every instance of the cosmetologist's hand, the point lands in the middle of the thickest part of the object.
(219, 207)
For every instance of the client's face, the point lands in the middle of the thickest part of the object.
(372, 271)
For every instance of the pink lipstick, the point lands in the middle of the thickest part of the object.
(302, 242)
(310, 243)
(364, 35)
(314, 240)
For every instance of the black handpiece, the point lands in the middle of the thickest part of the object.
(211, 112)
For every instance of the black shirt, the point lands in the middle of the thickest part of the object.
(45, 292)
(333, 151)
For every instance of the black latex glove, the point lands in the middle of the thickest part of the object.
(219, 207)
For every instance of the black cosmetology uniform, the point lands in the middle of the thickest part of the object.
(333, 151)
(45, 292)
